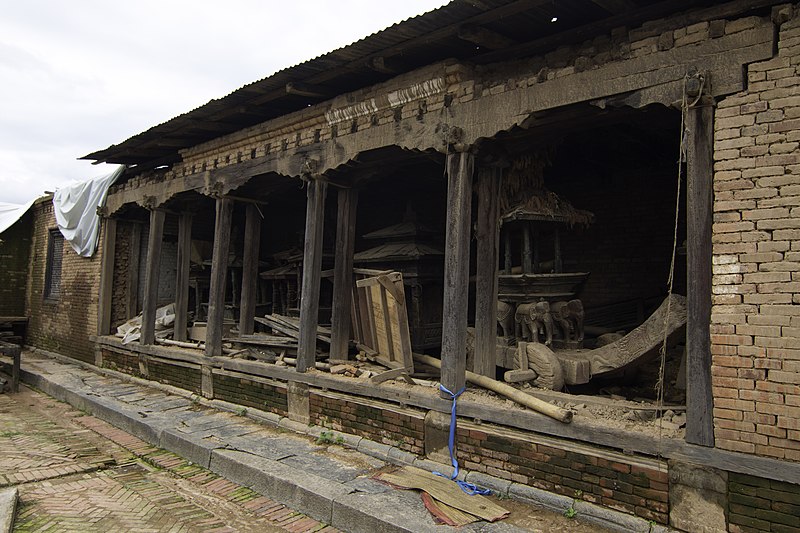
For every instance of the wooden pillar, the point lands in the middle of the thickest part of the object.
(219, 268)
(312, 273)
(106, 276)
(132, 296)
(488, 257)
(536, 255)
(527, 252)
(151, 276)
(252, 242)
(343, 272)
(507, 250)
(182, 276)
(558, 264)
(699, 205)
(456, 271)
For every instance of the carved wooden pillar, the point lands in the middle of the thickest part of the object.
(343, 272)
(252, 242)
(312, 273)
(219, 268)
(182, 276)
(151, 276)
(107, 276)
(456, 270)
(488, 257)
(699, 205)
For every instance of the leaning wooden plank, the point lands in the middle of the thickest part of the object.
(447, 491)
(562, 415)
(293, 321)
(277, 326)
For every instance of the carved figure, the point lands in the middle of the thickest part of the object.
(569, 318)
(533, 319)
(505, 317)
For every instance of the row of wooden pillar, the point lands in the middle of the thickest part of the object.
(460, 169)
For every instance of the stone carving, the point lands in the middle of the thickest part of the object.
(505, 317)
(534, 319)
(568, 316)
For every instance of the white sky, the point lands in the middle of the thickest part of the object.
(77, 76)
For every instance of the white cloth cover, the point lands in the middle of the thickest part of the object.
(10, 213)
(75, 207)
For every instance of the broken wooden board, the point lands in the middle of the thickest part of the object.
(381, 306)
(289, 327)
(446, 491)
(446, 514)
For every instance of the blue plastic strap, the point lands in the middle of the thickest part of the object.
(469, 488)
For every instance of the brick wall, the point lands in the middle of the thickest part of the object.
(756, 284)
(15, 245)
(395, 426)
(608, 479)
(63, 324)
(250, 393)
(758, 504)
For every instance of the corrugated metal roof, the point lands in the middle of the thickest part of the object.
(517, 25)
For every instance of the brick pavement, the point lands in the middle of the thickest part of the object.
(78, 473)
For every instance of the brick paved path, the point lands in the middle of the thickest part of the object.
(78, 473)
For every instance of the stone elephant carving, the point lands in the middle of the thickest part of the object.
(534, 319)
(505, 317)
(568, 316)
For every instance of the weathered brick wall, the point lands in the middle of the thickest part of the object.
(395, 426)
(758, 504)
(609, 479)
(64, 324)
(182, 376)
(251, 393)
(756, 284)
(15, 244)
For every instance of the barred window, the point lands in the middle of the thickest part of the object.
(52, 276)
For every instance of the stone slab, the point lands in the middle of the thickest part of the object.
(8, 508)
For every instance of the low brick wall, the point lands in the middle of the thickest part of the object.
(123, 362)
(758, 504)
(182, 377)
(609, 479)
(251, 393)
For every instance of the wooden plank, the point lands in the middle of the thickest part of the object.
(382, 324)
(456, 270)
(151, 275)
(312, 266)
(343, 272)
(219, 268)
(446, 491)
(386, 276)
(182, 276)
(699, 200)
(106, 276)
(486, 276)
(252, 242)
(132, 296)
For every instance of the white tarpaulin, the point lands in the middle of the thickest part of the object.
(75, 208)
(10, 213)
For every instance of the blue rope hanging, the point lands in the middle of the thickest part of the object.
(469, 488)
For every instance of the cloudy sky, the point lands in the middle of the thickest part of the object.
(77, 76)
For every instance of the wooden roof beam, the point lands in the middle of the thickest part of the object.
(307, 90)
(616, 6)
(484, 37)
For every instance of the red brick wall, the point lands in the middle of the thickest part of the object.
(15, 245)
(756, 286)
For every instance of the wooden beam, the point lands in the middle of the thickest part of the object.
(484, 37)
(309, 91)
(312, 268)
(182, 275)
(488, 257)
(151, 276)
(134, 251)
(456, 270)
(616, 7)
(343, 272)
(106, 276)
(386, 65)
(219, 270)
(699, 205)
(252, 241)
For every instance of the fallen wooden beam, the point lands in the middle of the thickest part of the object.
(562, 415)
